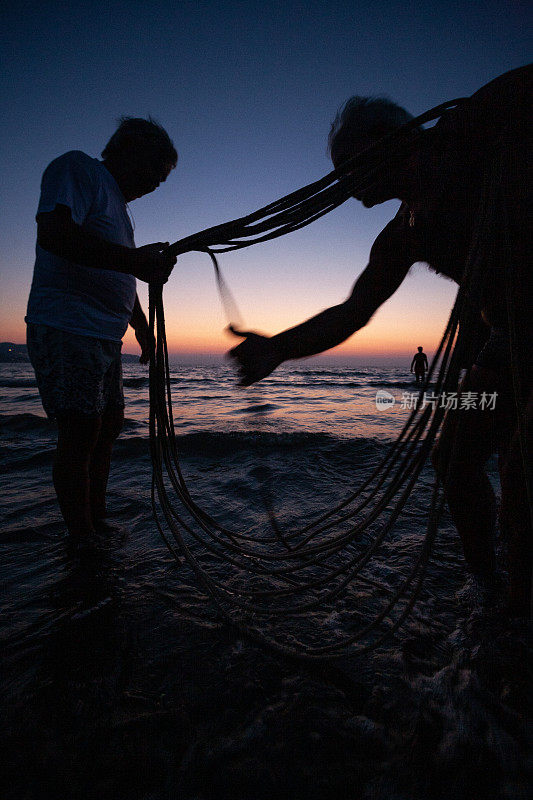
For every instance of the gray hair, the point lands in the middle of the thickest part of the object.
(363, 120)
(136, 135)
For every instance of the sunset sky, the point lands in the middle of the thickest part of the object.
(247, 91)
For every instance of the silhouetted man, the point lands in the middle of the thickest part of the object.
(443, 184)
(83, 297)
(419, 365)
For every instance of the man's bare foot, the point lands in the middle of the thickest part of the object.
(481, 590)
(110, 530)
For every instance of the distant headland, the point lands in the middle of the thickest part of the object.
(11, 353)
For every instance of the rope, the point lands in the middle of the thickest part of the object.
(300, 208)
(279, 577)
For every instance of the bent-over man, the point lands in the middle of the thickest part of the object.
(452, 184)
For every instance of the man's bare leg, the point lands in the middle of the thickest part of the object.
(112, 422)
(465, 444)
(516, 517)
(77, 437)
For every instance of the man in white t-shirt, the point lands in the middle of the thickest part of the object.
(83, 297)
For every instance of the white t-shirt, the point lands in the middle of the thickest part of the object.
(85, 300)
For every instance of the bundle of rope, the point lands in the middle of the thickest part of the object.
(275, 579)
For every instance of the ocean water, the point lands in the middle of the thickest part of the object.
(123, 680)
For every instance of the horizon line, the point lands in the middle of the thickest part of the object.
(217, 352)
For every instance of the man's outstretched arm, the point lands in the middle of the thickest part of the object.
(389, 263)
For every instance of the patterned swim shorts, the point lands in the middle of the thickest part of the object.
(496, 353)
(496, 357)
(75, 374)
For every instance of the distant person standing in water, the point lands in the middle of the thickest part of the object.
(82, 298)
(419, 365)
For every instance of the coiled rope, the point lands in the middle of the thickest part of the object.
(276, 578)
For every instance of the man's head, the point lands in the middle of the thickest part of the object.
(140, 155)
(420, 349)
(360, 123)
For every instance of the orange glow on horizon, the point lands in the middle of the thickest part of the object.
(364, 343)
(374, 340)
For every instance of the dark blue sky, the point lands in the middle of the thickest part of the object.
(247, 91)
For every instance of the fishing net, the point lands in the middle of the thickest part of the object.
(276, 581)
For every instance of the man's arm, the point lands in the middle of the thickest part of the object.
(138, 317)
(59, 234)
(388, 265)
(139, 323)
